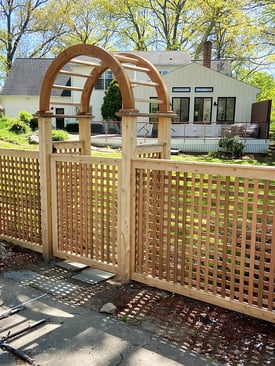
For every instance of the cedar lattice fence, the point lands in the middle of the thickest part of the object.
(20, 214)
(206, 231)
(202, 230)
(85, 197)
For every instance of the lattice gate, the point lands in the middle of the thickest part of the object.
(86, 210)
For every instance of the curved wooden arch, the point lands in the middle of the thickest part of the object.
(154, 76)
(108, 61)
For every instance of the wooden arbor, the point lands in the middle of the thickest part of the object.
(121, 65)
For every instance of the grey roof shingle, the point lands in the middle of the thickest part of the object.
(26, 76)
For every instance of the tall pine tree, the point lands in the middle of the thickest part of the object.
(112, 102)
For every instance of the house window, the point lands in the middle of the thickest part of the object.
(202, 110)
(204, 89)
(180, 106)
(104, 81)
(65, 92)
(226, 109)
(181, 89)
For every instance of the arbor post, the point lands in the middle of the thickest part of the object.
(85, 134)
(45, 150)
(164, 135)
(129, 141)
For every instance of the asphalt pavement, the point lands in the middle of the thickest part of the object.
(67, 335)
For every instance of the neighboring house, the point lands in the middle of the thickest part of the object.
(22, 87)
(203, 94)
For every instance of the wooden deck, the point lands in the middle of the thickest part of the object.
(192, 145)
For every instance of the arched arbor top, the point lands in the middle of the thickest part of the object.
(118, 63)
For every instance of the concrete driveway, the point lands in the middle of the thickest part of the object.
(78, 336)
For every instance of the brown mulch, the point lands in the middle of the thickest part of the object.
(219, 334)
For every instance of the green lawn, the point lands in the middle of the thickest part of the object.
(11, 140)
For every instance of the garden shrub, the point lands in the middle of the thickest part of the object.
(34, 124)
(18, 126)
(25, 117)
(231, 147)
(59, 135)
(5, 122)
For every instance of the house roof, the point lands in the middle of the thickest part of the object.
(194, 67)
(26, 76)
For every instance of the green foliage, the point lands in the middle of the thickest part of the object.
(18, 127)
(241, 30)
(112, 102)
(25, 117)
(263, 81)
(5, 122)
(231, 147)
(59, 135)
(34, 124)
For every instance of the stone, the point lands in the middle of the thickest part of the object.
(108, 308)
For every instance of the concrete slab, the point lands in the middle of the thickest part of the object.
(77, 336)
(93, 276)
(71, 266)
(56, 288)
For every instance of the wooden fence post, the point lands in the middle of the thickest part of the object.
(85, 134)
(164, 135)
(45, 149)
(128, 126)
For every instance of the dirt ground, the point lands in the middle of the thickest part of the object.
(219, 334)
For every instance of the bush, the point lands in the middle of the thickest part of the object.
(59, 135)
(18, 126)
(34, 124)
(231, 147)
(5, 122)
(25, 117)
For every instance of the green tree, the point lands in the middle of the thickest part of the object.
(266, 83)
(16, 17)
(29, 28)
(240, 30)
(112, 102)
(132, 19)
(89, 22)
(172, 22)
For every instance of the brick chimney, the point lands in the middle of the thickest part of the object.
(207, 50)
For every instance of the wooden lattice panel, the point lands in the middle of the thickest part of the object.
(20, 213)
(150, 155)
(207, 232)
(68, 147)
(87, 197)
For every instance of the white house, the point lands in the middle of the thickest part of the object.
(204, 95)
(205, 100)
